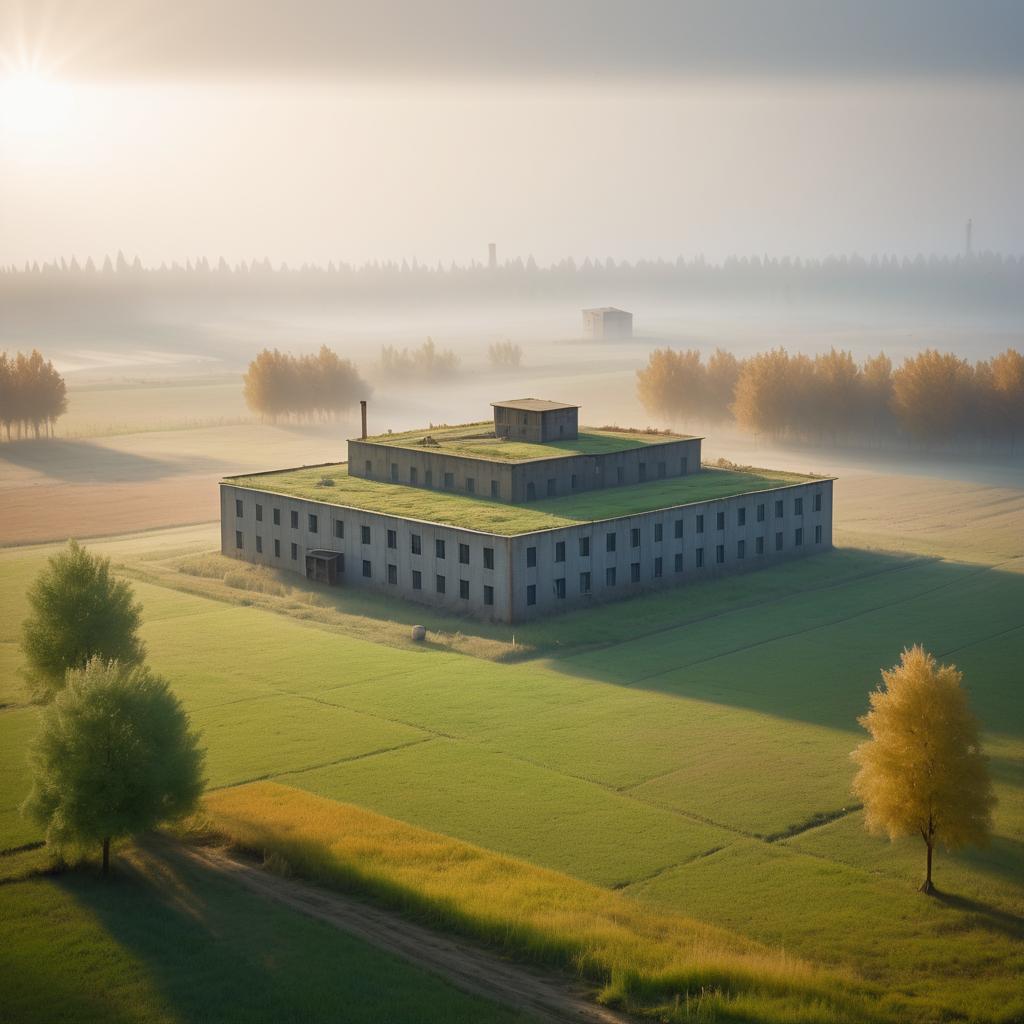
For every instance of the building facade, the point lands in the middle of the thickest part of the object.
(607, 323)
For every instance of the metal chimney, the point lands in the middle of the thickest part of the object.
(362, 410)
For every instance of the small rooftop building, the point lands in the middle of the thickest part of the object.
(537, 420)
(607, 322)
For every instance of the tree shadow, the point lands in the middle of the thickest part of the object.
(984, 914)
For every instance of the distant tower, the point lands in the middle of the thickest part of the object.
(492, 254)
(968, 249)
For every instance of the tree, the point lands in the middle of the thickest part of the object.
(932, 394)
(923, 772)
(672, 384)
(79, 611)
(114, 756)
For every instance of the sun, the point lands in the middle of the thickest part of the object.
(33, 104)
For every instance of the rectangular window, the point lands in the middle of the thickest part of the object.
(339, 529)
(679, 561)
(657, 568)
(239, 543)
(699, 558)
(495, 489)
(572, 481)
(741, 549)
(798, 536)
(293, 519)
(531, 558)
(277, 517)
(642, 471)
(609, 576)
(259, 544)
(531, 490)
(817, 502)
(428, 478)
(678, 529)
(314, 526)
(559, 550)
(414, 476)
(658, 531)
(464, 589)
(551, 488)
(463, 554)
(295, 552)
(584, 582)
(238, 508)
(417, 580)
(682, 466)
(634, 572)
(416, 544)
(778, 509)
(560, 588)
(584, 547)
(634, 537)
(817, 534)
(449, 480)
(619, 474)
(531, 594)
(259, 513)
(488, 595)
(277, 548)
(392, 538)
(719, 553)
(439, 549)
(661, 470)
(719, 520)
(488, 558)
(367, 569)
(439, 584)
(368, 465)
(700, 523)
(760, 513)
(778, 541)
(364, 534)
(798, 506)
(741, 517)
(394, 472)
(471, 484)
(392, 574)
(759, 546)
(609, 542)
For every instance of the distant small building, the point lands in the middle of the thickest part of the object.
(607, 322)
(533, 419)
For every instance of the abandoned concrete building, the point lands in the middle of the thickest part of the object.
(607, 323)
(522, 516)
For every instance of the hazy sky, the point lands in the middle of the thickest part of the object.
(336, 130)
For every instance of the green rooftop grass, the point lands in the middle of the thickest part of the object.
(476, 513)
(478, 440)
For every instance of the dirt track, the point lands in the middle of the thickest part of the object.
(544, 996)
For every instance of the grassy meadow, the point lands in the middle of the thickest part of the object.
(688, 750)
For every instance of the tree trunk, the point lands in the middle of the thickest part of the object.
(926, 885)
(106, 856)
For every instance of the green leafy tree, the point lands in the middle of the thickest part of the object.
(115, 756)
(80, 611)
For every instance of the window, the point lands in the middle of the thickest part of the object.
(259, 544)
(609, 576)
(259, 513)
(414, 476)
(798, 536)
(741, 517)
(699, 553)
(488, 558)
(584, 547)
(295, 552)
(798, 506)
(341, 563)
(392, 538)
(392, 574)
(339, 529)
(314, 526)
(367, 569)
(642, 470)
(417, 580)
(609, 542)
(719, 553)
(416, 544)
(531, 491)
(277, 517)
(464, 589)
(759, 546)
(679, 562)
(439, 584)
(657, 568)
(531, 594)
(634, 572)
(364, 534)
(817, 501)
(778, 541)
(817, 534)
(495, 489)
(531, 558)
(239, 542)
(238, 507)
(678, 529)
(584, 582)
(428, 478)
(368, 466)
(277, 548)
(449, 480)
(551, 488)
(471, 484)
(719, 520)
(463, 554)
(620, 474)
(760, 513)
(559, 550)
(394, 472)
(741, 549)
(778, 509)
(560, 588)
(700, 523)
(293, 519)
(658, 531)
(682, 466)
(439, 548)
(634, 537)
(488, 595)
(661, 470)
(572, 481)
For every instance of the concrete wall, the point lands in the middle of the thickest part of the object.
(511, 576)
(591, 472)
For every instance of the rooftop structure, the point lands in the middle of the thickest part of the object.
(607, 322)
(533, 419)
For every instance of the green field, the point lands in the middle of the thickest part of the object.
(475, 513)
(477, 440)
(680, 747)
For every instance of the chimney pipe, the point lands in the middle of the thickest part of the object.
(362, 410)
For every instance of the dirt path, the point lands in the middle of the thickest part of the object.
(544, 996)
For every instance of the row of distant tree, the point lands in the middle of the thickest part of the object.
(931, 397)
(309, 387)
(33, 395)
(426, 361)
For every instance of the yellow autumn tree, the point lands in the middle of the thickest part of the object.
(923, 772)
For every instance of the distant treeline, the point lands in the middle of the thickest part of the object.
(933, 397)
(505, 355)
(33, 395)
(426, 361)
(308, 387)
